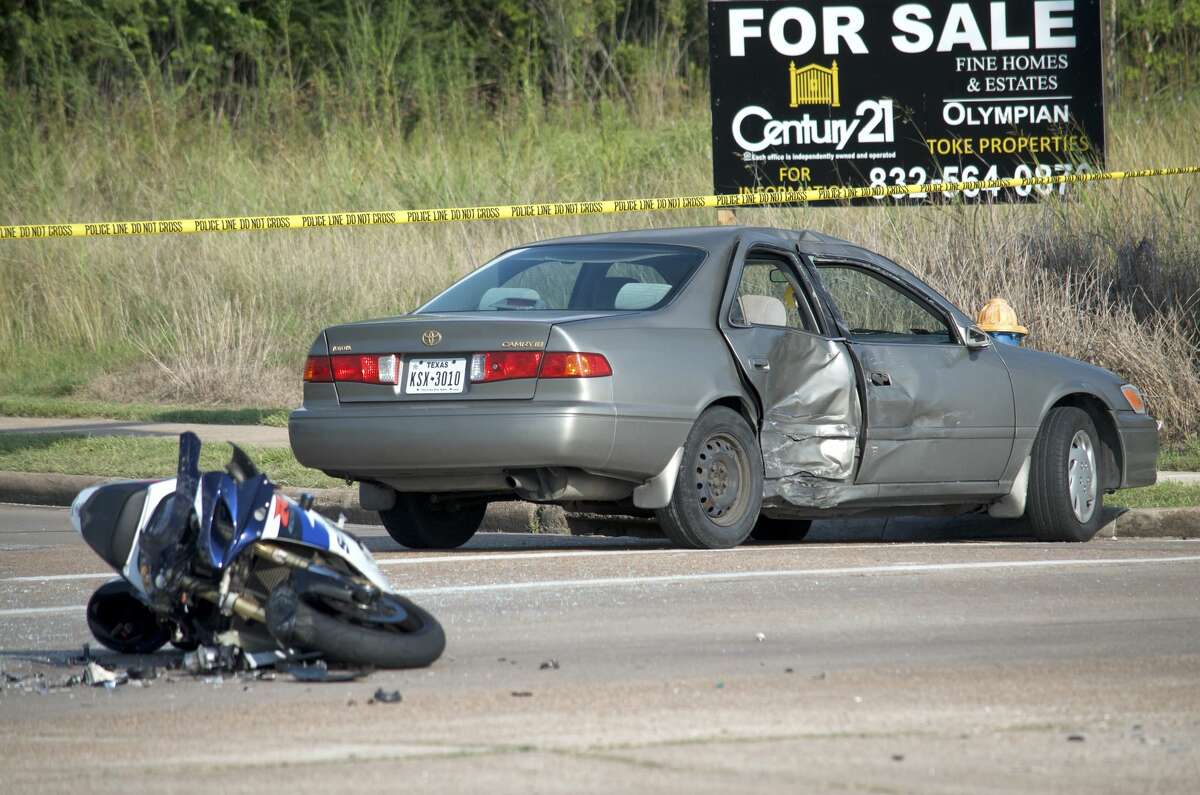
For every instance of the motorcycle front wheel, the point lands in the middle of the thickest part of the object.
(368, 637)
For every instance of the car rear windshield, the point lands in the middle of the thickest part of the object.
(576, 276)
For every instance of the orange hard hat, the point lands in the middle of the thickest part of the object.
(998, 315)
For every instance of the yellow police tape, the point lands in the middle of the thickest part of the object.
(499, 212)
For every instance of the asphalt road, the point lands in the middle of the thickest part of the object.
(829, 666)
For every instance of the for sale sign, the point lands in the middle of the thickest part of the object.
(815, 93)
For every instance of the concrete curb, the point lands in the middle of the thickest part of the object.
(34, 488)
(1157, 523)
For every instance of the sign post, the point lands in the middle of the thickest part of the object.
(862, 92)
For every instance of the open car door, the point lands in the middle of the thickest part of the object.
(805, 382)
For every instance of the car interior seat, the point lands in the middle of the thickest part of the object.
(763, 310)
(639, 295)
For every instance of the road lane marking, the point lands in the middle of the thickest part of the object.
(476, 556)
(482, 555)
(52, 577)
(42, 611)
(728, 576)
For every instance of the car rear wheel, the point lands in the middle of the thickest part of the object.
(420, 522)
(1065, 495)
(718, 492)
(780, 530)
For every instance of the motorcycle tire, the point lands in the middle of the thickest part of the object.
(296, 624)
(123, 623)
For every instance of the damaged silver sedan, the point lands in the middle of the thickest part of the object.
(736, 382)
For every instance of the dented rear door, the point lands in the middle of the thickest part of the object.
(805, 382)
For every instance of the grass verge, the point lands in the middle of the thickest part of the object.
(140, 457)
(1160, 495)
(32, 406)
(1183, 457)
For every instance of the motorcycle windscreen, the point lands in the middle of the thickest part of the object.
(812, 417)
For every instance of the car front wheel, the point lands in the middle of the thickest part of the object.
(420, 522)
(718, 492)
(1066, 498)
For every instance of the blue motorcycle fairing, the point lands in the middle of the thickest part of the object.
(256, 511)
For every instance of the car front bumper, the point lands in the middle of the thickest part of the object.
(1139, 442)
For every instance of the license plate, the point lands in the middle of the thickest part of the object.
(436, 376)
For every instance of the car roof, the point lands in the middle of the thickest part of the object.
(708, 237)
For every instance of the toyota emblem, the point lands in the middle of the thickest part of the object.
(431, 337)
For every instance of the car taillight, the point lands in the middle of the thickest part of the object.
(317, 370)
(368, 369)
(505, 365)
(574, 365)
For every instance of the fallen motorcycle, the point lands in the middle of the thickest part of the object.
(225, 559)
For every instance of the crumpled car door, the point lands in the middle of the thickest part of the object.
(805, 383)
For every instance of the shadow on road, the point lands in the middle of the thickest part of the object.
(620, 533)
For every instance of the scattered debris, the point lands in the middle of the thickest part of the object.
(142, 673)
(858, 699)
(549, 665)
(521, 694)
(897, 757)
(1075, 738)
(821, 677)
(318, 671)
(211, 658)
(386, 697)
(789, 670)
(97, 675)
(760, 637)
(720, 685)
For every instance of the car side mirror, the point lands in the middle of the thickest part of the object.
(977, 338)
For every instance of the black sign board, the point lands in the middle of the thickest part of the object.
(814, 93)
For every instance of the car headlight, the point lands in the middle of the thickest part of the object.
(1133, 396)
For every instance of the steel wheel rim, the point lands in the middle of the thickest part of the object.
(721, 470)
(1082, 487)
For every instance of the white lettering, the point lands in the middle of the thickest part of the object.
(778, 32)
(845, 23)
(961, 28)
(1000, 38)
(739, 31)
(1045, 23)
(919, 35)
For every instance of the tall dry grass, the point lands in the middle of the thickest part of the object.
(1109, 277)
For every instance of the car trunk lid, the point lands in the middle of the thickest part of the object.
(434, 353)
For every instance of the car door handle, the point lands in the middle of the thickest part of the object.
(760, 364)
(881, 379)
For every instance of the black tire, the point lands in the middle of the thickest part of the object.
(297, 624)
(1055, 512)
(122, 622)
(718, 492)
(780, 530)
(418, 522)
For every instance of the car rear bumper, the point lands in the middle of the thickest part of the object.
(1139, 440)
(389, 442)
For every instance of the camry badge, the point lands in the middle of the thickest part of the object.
(431, 337)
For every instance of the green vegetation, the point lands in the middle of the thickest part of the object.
(1160, 495)
(139, 457)
(125, 109)
(1181, 457)
(24, 406)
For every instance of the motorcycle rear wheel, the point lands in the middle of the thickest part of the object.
(295, 623)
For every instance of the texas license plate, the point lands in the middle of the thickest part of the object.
(436, 376)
